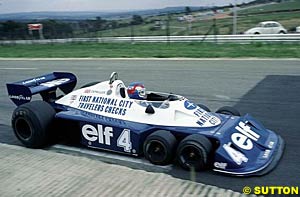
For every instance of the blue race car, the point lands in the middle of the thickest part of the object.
(163, 127)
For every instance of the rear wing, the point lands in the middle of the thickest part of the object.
(21, 92)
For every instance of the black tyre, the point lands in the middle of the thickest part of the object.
(31, 123)
(228, 111)
(204, 107)
(90, 84)
(159, 147)
(193, 152)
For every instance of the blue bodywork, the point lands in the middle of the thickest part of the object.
(242, 146)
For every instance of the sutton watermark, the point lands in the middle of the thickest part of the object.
(273, 190)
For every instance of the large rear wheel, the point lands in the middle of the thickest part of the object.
(32, 122)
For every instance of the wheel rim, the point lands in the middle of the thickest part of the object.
(190, 156)
(23, 129)
(156, 151)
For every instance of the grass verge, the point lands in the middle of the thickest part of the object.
(143, 50)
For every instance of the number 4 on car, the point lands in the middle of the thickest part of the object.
(164, 128)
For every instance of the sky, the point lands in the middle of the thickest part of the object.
(13, 6)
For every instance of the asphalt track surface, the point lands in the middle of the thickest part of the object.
(267, 89)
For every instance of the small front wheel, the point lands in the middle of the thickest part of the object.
(193, 152)
(203, 107)
(159, 147)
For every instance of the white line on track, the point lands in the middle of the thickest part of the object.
(222, 97)
(133, 162)
(18, 68)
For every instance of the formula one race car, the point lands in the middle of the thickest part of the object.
(163, 127)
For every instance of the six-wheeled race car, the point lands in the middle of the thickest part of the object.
(163, 127)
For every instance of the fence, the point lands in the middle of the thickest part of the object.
(242, 39)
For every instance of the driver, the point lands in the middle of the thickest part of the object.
(137, 90)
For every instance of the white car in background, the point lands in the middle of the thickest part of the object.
(267, 27)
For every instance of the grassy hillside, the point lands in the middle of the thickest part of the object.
(247, 18)
(287, 6)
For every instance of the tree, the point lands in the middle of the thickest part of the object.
(99, 23)
(12, 29)
(137, 20)
(187, 10)
(57, 29)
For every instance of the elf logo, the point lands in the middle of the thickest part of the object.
(103, 135)
(244, 138)
(99, 134)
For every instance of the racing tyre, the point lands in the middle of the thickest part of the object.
(31, 123)
(204, 107)
(159, 147)
(90, 84)
(228, 111)
(193, 152)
